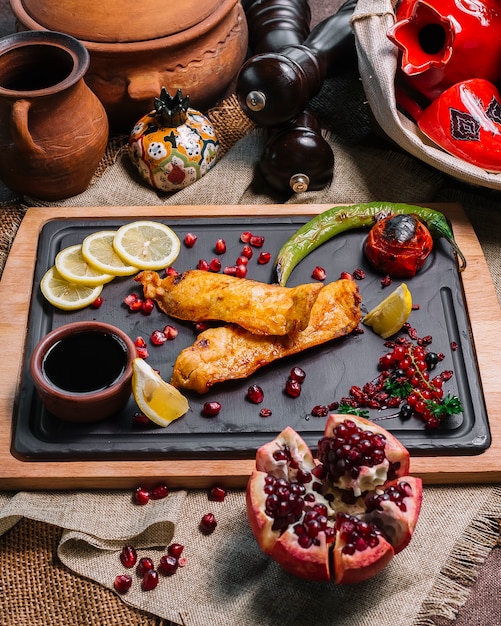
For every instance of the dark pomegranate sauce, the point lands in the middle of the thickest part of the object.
(85, 362)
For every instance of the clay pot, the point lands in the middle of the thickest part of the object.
(53, 129)
(82, 371)
(119, 20)
(202, 61)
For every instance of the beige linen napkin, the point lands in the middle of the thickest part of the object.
(227, 580)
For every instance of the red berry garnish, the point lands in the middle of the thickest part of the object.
(245, 236)
(215, 265)
(122, 583)
(230, 270)
(297, 373)
(257, 241)
(265, 412)
(242, 260)
(241, 270)
(147, 306)
(203, 265)
(168, 564)
(292, 388)
(175, 549)
(247, 252)
(208, 523)
(171, 332)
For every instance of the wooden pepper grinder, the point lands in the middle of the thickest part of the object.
(274, 87)
(275, 24)
(296, 156)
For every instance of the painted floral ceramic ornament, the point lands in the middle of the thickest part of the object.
(173, 145)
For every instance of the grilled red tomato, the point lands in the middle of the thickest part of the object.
(398, 245)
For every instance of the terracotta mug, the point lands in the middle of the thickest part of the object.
(53, 128)
(465, 120)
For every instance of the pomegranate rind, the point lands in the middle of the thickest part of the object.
(260, 523)
(355, 568)
(299, 451)
(310, 563)
(397, 525)
(397, 462)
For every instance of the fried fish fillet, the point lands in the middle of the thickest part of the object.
(229, 352)
(260, 308)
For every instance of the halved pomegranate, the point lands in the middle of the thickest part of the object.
(341, 517)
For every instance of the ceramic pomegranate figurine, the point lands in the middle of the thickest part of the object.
(173, 145)
(444, 42)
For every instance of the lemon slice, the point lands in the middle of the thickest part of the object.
(161, 402)
(388, 317)
(98, 251)
(66, 295)
(72, 266)
(147, 245)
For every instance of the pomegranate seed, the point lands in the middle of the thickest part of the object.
(150, 580)
(220, 247)
(147, 306)
(201, 326)
(319, 273)
(265, 412)
(359, 274)
(170, 332)
(454, 346)
(128, 556)
(140, 420)
(208, 523)
(245, 236)
(345, 276)
(386, 281)
(211, 408)
(215, 265)
(158, 338)
(241, 271)
(159, 492)
(242, 260)
(297, 373)
(293, 388)
(182, 561)
(171, 271)
(257, 241)
(122, 583)
(255, 394)
(190, 240)
(168, 565)
(247, 252)
(175, 549)
(264, 258)
(140, 342)
(203, 265)
(131, 298)
(145, 564)
(97, 303)
(319, 411)
(141, 496)
(142, 353)
(217, 494)
(230, 270)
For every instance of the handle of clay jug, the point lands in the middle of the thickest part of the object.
(19, 128)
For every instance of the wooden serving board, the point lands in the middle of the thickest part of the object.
(15, 293)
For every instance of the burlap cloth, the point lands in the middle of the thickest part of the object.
(56, 546)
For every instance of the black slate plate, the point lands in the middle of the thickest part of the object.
(238, 429)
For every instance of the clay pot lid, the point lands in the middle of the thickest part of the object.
(115, 20)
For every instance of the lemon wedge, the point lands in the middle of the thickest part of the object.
(67, 295)
(147, 245)
(388, 317)
(98, 251)
(161, 402)
(72, 266)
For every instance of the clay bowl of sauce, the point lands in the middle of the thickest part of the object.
(83, 371)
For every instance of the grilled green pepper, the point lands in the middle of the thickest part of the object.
(339, 219)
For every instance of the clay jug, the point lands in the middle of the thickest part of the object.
(53, 128)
